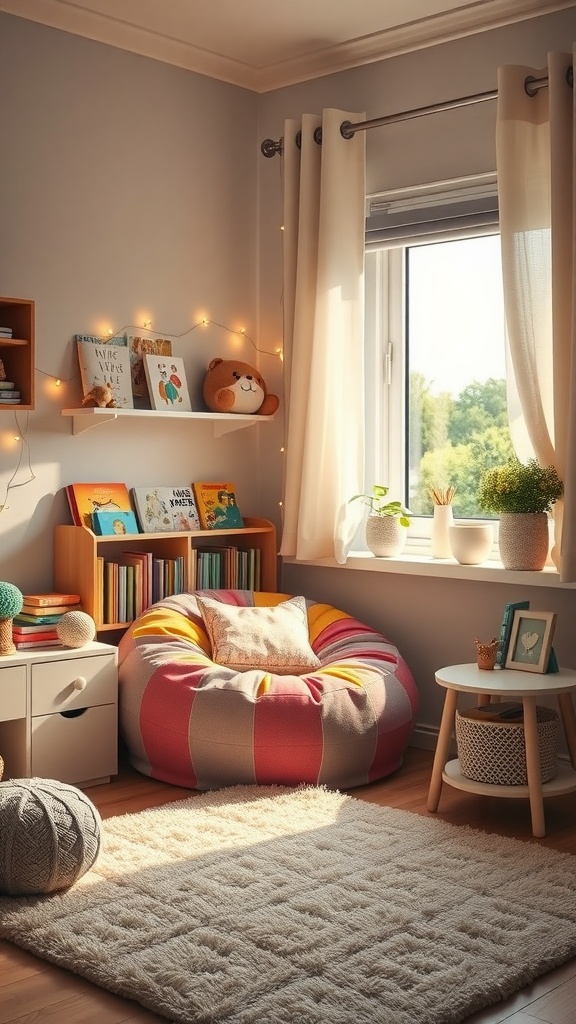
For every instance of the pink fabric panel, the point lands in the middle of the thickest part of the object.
(164, 716)
(288, 738)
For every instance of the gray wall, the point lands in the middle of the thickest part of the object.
(128, 190)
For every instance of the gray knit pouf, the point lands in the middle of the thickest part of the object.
(49, 836)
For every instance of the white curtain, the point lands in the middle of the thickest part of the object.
(535, 156)
(323, 287)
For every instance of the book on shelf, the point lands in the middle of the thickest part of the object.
(86, 498)
(56, 609)
(217, 508)
(98, 339)
(33, 629)
(139, 345)
(29, 619)
(165, 509)
(28, 637)
(51, 600)
(106, 364)
(29, 644)
(166, 379)
(506, 629)
(106, 524)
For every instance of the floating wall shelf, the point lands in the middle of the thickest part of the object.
(223, 423)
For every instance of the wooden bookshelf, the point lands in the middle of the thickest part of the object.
(17, 352)
(77, 549)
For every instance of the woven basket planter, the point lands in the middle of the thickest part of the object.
(494, 751)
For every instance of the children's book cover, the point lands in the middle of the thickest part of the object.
(106, 364)
(166, 509)
(109, 523)
(167, 385)
(217, 506)
(145, 343)
(86, 498)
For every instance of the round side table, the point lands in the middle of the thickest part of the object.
(512, 684)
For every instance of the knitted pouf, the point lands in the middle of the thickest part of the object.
(49, 836)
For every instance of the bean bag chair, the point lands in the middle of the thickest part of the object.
(229, 687)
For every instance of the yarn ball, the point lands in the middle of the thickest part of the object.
(11, 600)
(75, 629)
(50, 836)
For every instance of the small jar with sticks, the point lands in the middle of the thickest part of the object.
(443, 518)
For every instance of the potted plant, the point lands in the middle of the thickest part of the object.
(522, 495)
(387, 522)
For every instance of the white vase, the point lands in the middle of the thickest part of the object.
(441, 523)
(385, 536)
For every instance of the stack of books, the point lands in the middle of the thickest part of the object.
(8, 393)
(35, 625)
(5, 332)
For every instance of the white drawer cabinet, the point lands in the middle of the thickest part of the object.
(59, 714)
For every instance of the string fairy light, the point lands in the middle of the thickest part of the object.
(24, 446)
(147, 325)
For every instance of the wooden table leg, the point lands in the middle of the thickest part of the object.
(532, 746)
(569, 723)
(442, 748)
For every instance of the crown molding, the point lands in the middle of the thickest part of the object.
(478, 16)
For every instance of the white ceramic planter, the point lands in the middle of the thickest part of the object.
(385, 537)
(471, 543)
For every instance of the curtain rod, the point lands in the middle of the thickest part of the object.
(532, 85)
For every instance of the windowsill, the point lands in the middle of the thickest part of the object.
(417, 564)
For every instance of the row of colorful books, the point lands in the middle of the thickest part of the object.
(228, 568)
(110, 508)
(129, 586)
(35, 625)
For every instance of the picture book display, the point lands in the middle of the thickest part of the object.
(139, 345)
(106, 364)
(108, 523)
(166, 509)
(217, 508)
(86, 498)
(167, 385)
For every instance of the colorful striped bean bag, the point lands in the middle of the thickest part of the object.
(191, 722)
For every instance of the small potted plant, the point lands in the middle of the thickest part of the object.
(522, 495)
(387, 523)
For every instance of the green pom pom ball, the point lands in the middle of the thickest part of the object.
(11, 601)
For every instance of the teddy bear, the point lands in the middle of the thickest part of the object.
(233, 386)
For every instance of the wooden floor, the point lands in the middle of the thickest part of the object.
(34, 992)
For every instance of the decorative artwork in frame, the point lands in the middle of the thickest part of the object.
(531, 640)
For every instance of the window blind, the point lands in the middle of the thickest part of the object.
(438, 212)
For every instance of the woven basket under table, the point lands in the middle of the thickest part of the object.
(494, 752)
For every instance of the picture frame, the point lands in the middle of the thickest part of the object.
(531, 640)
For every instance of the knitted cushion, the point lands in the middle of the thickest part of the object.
(49, 836)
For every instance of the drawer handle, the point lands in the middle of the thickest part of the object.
(80, 683)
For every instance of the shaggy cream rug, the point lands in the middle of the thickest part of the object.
(269, 905)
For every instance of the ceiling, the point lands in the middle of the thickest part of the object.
(266, 44)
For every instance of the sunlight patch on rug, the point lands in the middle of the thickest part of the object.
(269, 905)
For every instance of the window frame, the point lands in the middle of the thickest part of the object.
(457, 209)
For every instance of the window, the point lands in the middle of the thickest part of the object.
(435, 345)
